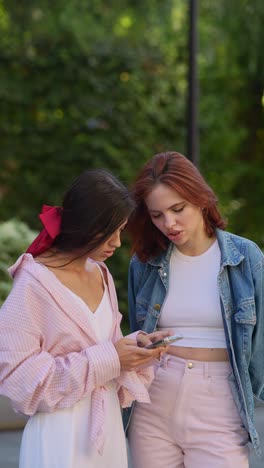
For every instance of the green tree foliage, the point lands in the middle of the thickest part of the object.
(231, 109)
(15, 236)
(99, 83)
(84, 84)
(249, 95)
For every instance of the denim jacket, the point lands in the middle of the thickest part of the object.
(241, 290)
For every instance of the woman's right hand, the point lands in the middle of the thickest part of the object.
(132, 357)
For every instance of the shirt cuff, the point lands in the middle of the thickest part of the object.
(104, 362)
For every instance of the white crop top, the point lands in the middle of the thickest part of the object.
(192, 305)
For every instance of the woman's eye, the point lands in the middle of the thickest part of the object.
(178, 210)
(155, 216)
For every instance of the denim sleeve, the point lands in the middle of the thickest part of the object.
(256, 365)
(132, 291)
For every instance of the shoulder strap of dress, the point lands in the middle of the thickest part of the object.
(102, 274)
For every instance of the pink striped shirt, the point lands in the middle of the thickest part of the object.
(50, 357)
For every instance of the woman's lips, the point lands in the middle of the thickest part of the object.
(175, 235)
(109, 253)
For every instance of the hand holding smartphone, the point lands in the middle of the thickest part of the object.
(164, 341)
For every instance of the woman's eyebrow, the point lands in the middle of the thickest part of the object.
(169, 207)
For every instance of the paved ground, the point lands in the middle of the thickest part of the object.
(9, 445)
(9, 449)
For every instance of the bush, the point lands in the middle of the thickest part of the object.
(15, 237)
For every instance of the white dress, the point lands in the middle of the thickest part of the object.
(61, 439)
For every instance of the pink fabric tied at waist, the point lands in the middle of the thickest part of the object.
(98, 419)
(50, 217)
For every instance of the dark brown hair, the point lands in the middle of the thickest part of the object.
(94, 206)
(179, 173)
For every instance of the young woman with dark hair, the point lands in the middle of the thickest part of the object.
(206, 285)
(63, 360)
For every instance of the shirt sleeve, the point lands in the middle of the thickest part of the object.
(134, 385)
(32, 377)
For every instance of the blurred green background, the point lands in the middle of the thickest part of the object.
(104, 84)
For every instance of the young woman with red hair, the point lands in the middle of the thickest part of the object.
(205, 285)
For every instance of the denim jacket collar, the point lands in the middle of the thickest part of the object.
(163, 258)
(230, 255)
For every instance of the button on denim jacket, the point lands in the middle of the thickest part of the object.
(241, 290)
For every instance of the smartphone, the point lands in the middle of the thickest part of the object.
(164, 341)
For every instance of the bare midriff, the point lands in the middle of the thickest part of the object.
(199, 354)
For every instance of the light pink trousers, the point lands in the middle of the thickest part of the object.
(192, 420)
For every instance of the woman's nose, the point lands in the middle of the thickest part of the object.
(169, 222)
(115, 240)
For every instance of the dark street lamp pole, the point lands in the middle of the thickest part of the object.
(193, 88)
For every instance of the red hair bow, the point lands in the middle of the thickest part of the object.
(50, 217)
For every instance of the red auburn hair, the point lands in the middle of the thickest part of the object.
(179, 173)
